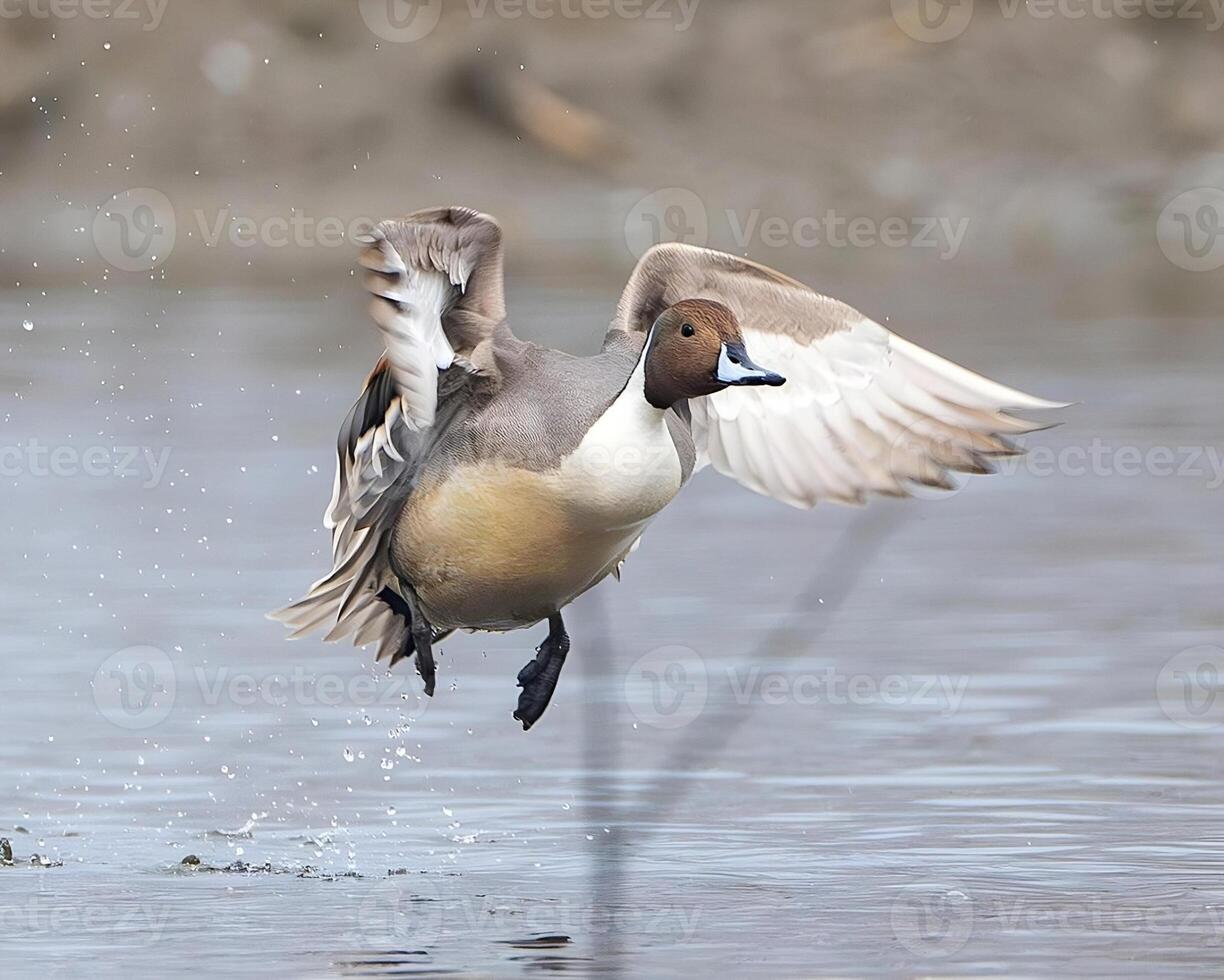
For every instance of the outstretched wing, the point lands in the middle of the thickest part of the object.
(437, 281)
(436, 277)
(863, 410)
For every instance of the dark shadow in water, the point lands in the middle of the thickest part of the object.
(834, 581)
(601, 758)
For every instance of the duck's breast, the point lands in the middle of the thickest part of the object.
(495, 545)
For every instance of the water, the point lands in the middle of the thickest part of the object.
(926, 737)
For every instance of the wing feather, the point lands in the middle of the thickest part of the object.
(863, 411)
(436, 282)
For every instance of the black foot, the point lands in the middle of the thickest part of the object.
(539, 678)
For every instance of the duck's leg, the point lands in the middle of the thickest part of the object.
(421, 636)
(539, 678)
(406, 646)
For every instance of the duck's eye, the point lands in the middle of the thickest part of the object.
(687, 330)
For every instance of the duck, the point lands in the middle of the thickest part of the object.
(483, 482)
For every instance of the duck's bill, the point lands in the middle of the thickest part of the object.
(735, 367)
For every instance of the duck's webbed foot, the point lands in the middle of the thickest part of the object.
(539, 678)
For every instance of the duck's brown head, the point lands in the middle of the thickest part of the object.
(696, 349)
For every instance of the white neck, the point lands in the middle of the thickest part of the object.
(627, 467)
(629, 451)
(636, 386)
(635, 390)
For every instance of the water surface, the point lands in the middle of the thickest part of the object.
(924, 737)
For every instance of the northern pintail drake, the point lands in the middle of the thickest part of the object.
(484, 482)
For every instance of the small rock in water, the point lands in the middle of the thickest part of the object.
(6, 851)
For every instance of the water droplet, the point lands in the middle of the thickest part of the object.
(348, 754)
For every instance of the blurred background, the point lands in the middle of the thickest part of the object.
(1024, 781)
(1059, 138)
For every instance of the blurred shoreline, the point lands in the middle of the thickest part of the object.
(1055, 145)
